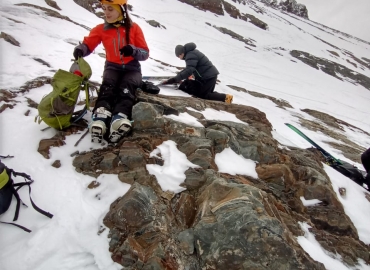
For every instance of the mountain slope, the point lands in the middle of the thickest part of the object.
(291, 71)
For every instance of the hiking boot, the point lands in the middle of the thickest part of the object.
(228, 99)
(98, 126)
(120, 127)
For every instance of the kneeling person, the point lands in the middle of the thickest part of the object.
(204, 72)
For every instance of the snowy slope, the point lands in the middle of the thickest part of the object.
(70, 239)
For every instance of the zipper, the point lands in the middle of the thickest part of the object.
(118, 41)
(114, 45)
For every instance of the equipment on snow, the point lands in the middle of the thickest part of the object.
(8, 188)
(149, 87)
(341, 166)
(57, 108)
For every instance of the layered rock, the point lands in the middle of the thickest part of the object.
(220, 221)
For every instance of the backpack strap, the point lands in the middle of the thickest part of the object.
(19, 226)
(15, 192)
(14, 187)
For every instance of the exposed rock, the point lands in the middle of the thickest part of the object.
(235, 231)
(236, 36)
(155, 24)
(58, 139)
(197, 228)
(362, 63)
(332, 68)
(281, 103)
(35, 83)
(46, 144)
(42, 62)
(257, 22)
(292, 6)
(348, 148)
(53, 4)
(214, 6)
(56, 164)
(31, 103)
(334, 53)
(52, 13)
(90, 5)
(10, 39)
(232, 10)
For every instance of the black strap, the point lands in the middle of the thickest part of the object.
(19, 226)
(28, 182)
(8, 156)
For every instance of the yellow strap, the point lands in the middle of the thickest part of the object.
(4, 178)
(87, 96)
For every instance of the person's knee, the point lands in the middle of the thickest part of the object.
(106, 89)
(126, 92)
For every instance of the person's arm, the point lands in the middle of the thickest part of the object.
(139, 49)
(90, 42)
(191, 63)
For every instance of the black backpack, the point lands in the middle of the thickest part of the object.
(8, 188)
(149, 87)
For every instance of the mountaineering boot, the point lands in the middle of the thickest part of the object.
(120, 126)
(229, 99)
(98, 126)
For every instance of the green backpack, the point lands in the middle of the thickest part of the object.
(57, 108)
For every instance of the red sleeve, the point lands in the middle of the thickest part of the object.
(138, 39)
(94, 38)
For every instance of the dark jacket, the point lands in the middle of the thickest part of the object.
(197, 64)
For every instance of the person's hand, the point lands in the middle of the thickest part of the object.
(77, 53)
(126, 50)
(170, 81)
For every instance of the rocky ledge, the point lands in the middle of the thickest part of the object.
(220, 221)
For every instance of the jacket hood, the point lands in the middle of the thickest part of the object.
(189, 47)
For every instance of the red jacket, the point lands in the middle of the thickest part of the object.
(113, 39)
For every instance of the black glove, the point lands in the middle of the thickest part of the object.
(170, 81)
(126, 50)
(77, 53)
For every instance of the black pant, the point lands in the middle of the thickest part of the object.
(118, 91)
(365, 159)
(207, 90)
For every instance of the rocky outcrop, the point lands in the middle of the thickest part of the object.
(332, 68)
(214, 6)
(218, 6)
(249, 42)
(219, 221)
(51, 13)
(10, 39)
(292, 6)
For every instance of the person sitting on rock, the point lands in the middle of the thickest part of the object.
(125, 46)
(202, 72)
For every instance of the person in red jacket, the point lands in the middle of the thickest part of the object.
(125, 46)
